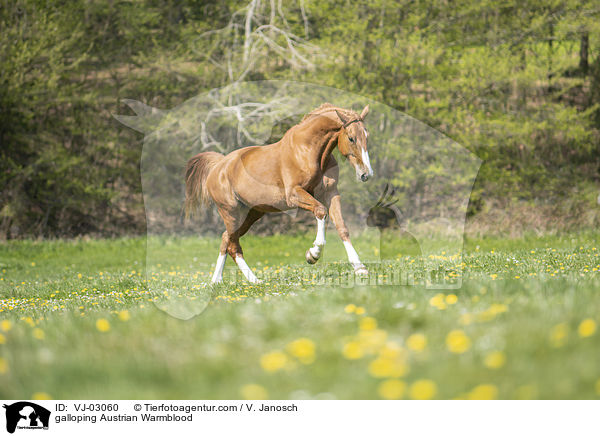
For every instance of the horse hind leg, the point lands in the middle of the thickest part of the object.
(313, 254)
(218, 274)
(234, 249)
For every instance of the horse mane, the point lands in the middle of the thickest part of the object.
(328, 107)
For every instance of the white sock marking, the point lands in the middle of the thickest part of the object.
(218, 274)
(352, 255)
(243, 266)
(319, 243)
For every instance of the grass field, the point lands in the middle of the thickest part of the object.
(78, 319)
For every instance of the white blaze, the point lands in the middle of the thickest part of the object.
(367, 162)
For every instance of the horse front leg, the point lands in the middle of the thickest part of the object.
(335, 211)
(313, 254)
(298, 197)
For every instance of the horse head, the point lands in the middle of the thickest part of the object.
(352, 143)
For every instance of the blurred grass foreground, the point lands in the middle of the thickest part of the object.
(80, 316)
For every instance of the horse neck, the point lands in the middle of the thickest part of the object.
(325, 132)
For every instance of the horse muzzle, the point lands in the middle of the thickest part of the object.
(364, 177)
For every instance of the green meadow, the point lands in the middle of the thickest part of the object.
(81, 319)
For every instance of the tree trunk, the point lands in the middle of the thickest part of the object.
(584, 52)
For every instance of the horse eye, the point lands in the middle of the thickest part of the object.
(351, 139)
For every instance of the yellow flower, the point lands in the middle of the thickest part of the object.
(372, 340)
(438, 301)
(124, 315)
(495, 360)
(303, 349)
(416, 342)
(423, 390)
(457, 342)
(359, 311)
(273, 361)
(559, 334)
(2, 339)
(368, 323)
(352, 350)
(350, 308)
(587, 328)
(384, 367)
(451, 299)
(466, 318)
(39, 396)
(5, 325)
(484, 392)
(391, 350)
(391, 389)
(254, 392)
(38, 333)
(103, 325)
(3, 366)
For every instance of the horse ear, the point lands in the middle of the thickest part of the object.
(344, 118)
(364, 112)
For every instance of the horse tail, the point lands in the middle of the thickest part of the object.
(196, 172)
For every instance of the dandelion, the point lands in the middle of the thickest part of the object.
(352, 350)
(466, 318)
(3, 366)
(558, 335)
(359, 311)
(40, 396)
(483, 392)
(391, 350)
(495, 360)
(372, 340)
(385, 367)
(254, 392)
(5, 325)
(391, 389)
(416, 342)
(423, 390)
(587, 328)
(102, 325)
(451, 299)
(38, 333)
(124, 315)
(350, 308)
(303, 349)
(438, 301)
(457, 342)
(273, 361)
(368, 323)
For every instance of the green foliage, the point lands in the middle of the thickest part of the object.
(507, 81)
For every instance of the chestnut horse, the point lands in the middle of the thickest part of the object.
(297, 171)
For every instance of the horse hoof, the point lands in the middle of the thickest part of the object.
(310, 258)
(361, 271)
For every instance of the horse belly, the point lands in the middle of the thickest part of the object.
(266, 198)
(257, 182)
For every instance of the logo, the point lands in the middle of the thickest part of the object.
(26, 415)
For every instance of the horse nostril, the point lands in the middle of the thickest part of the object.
(364, 177)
